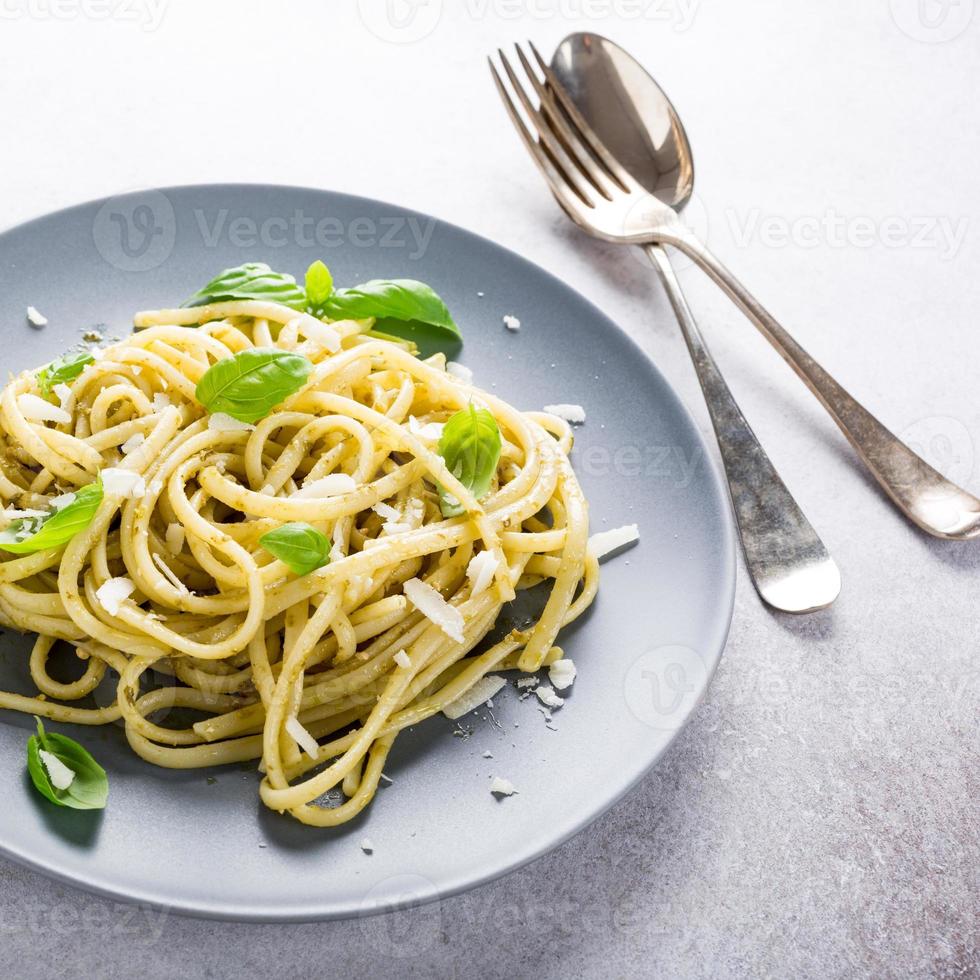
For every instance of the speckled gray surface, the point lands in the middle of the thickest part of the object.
(819, 815)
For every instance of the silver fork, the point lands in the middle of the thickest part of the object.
(788, 563)
(605, 200)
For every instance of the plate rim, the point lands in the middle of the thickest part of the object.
(336, 910)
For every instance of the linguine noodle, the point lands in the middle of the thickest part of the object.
(310, 676)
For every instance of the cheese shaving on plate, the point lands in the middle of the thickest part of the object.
(606, 542)
(60, 775)
(112, 593)
(570, 413)
(481, 692)
(36, 409)
(432, 605)
(480, 571)
(302, 737)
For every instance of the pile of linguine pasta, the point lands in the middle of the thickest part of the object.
(152, 508)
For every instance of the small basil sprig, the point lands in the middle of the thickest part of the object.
(470, 444)
(405, 308)
(250, 384)
(27, 535)
(300, 546)
(253, 280)
(89, 788)
(64, 369)
(319, 287)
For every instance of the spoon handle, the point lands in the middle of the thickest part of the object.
(788, 563)
(921, 492)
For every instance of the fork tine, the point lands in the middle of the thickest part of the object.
(573, 173)
(567, 195)
(578, 149)
(588, 134)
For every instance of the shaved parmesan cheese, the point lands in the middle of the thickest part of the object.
(480, 571)
(396, 527)
(122, 483)
(175, 538)
(432, 605)
(36, 409)
(12, 514)
(546, 695)
(64, 394)
(481, 692)
(133, 443)
(428, 431)
(366, 845)
(161, 401)
(112, 593)
(221, 422)
(327, 486)
(169, 574)
(322, 334)
(60, 775)
(403, 659)
(527, 681)
(562, 673)
(302, 737)
(460, 371)
(570, 413)
(386, 511)
(512, 323)
(35, 318)
(605, 542)
(63, 501)
(502, 787)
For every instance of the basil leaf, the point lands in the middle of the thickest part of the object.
(253, 280)
(426, 338)
(412, 305)
(250, 384)
(27, 535)
(319, 286)
(64, 369)
(90, 787)
(470, 444)
(301, 546)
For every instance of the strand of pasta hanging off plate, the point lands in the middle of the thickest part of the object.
(264, 506)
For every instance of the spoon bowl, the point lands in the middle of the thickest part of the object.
(629, 112)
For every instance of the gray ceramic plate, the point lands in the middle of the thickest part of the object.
(200, 842)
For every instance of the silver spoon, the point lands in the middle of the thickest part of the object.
(615, 206)
(787, 562)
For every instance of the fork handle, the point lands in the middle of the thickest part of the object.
(788, 563)
(922, 493)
